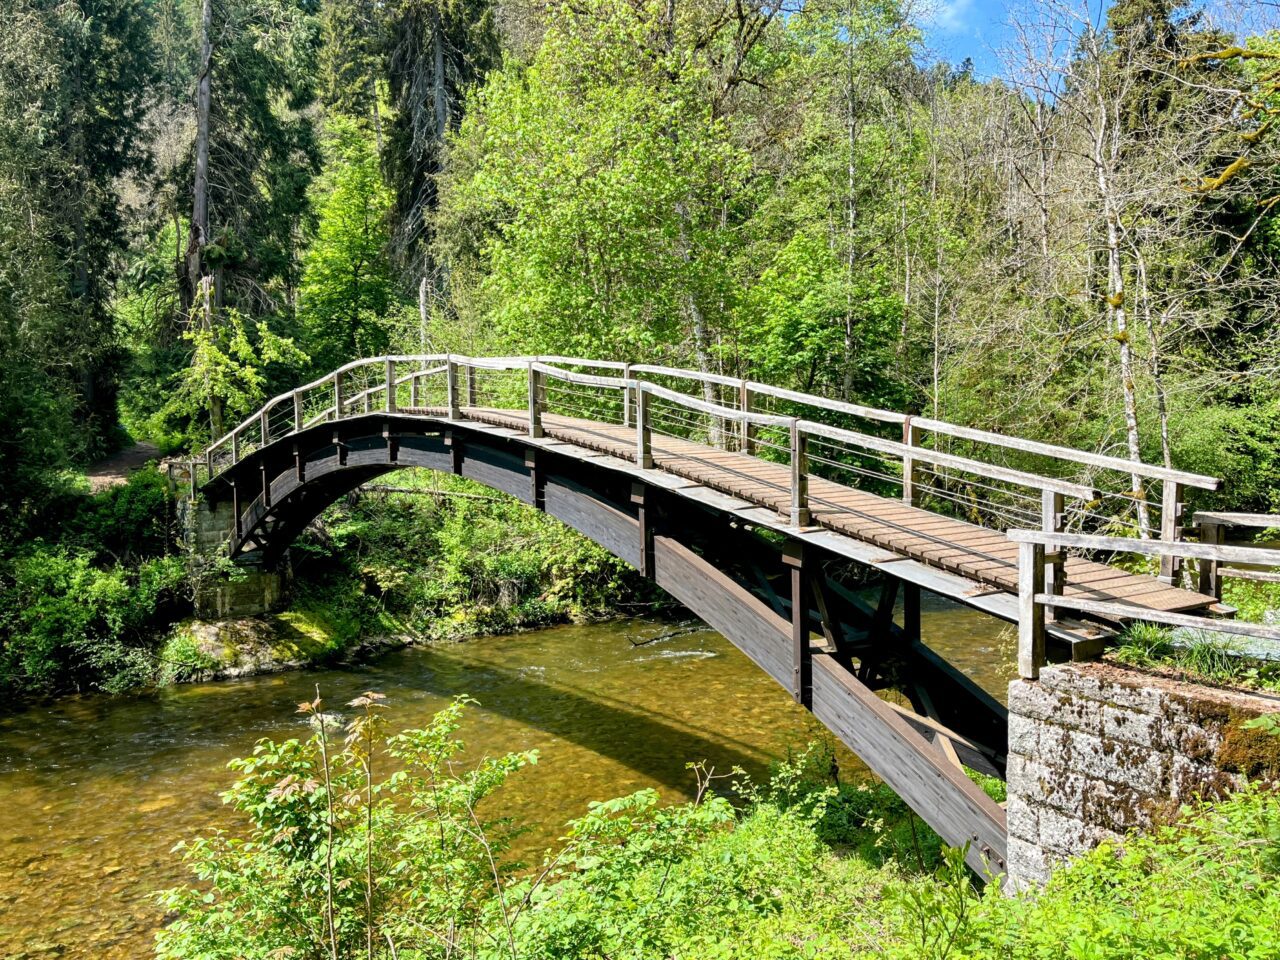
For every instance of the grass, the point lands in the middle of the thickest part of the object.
(1203, 659)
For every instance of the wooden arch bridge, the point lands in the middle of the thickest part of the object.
(770, 514)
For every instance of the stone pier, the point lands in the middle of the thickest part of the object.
(1096, 750)
(245, 589)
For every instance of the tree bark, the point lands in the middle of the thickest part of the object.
(199, 230)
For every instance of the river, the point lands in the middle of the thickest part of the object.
(96, 790)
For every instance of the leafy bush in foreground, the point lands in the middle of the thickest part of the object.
(342, 860)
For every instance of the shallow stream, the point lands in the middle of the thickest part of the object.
(95, 791)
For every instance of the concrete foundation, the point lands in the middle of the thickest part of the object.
(248, 589)
(1096, 750)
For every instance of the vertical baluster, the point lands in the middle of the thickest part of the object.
(391, 385)
(1030, 613)
(644, 435)
(1170, 528)
(1210, 570)
(451, 386)
(471, 386)
(1052, 518)
(799, 475)
(235, 446)
(626, 395)
(297, 411)
(745, 400)
(535, 401)
(337, 396)
(264, 426)
(910, 467)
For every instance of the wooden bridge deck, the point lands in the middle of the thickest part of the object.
(974, 552)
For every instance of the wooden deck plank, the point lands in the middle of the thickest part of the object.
(951, 544)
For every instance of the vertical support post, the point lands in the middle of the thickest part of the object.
(1170, 526)
(391, 385)
(793, 556)
(910, 469)
(192, 466)
(911, 610)
(264, 426)
(799, 475)
(340, 448)
(337, 396)
(414, 396)
(1030, 613)
(1210, 570)
(235, 446)
(471, 386)
(1052, 519)
(535, 401)
(745, 398)
(454, 443)
(299, 464)
(266, 484)
(235, 508)
(644, 435)
(643, 500)
(297, 411)
(451, 387)
(537, 479)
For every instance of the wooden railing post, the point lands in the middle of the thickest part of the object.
(451, 387)
(910, 470)
(793, 556)
(414, 396)
(535, 401)
(627, 392)
(748, 428)
(471, 386)
(1170, 526)
(297, 411)
(337, 396)
(264, 426)
(1210, 570)
(1052, 518)
(1030, 613)
(644, 435)
(799, 476)
(391, 385)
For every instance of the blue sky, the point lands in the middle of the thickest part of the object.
(967, 28)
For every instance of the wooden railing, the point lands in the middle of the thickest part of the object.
(1211, 528)
(1035, 599)
(846, 442)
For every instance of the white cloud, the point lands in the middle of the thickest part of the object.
(953, 16)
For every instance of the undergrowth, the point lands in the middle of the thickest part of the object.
(1203, 658)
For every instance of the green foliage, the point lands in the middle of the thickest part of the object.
(455, 559)
(347, 287)
(86, 610)
(339, 859)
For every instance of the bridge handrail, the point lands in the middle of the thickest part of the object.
(836, 406)
(938, 458)
(714, 409)
(1119, 464)
(585, 379)
(697, 375)
(1034, 600)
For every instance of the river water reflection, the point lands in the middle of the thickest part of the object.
(95, 791)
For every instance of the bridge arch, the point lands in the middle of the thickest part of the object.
(832, 650)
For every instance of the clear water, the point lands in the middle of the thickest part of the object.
(95, 791)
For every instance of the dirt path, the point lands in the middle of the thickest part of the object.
(115, 470)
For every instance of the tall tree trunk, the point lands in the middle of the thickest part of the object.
(199, 230)
(1117, 310)
(1155, 360)
(439, 88)
(851, 212)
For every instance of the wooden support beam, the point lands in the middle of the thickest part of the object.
(537, 400)
(299, 464)
(451, 388)
(392, 442)
(266, 484)
(911, 611)
(537, 478)
(793, 555)
(454, 442)
(337, 395)
(1052, 520)
(746, 400)
(642, 498)
(391, 385)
